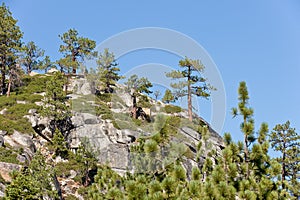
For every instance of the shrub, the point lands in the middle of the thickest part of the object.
(172, 109)
(6, 101)
(8, 155)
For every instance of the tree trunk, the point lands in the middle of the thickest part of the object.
(3, 87)
(73, 59)
(283, 170)
(246, 152)
(134, 107)
(8, 87)
(190, 108)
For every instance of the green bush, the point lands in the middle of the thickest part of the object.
(70, 197)
(106, 97)
(31, 98)
(6, 102)
(8, 155)
(172, 109)
(34, 84)
(21, 124)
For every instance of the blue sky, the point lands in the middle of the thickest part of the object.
(254, 41)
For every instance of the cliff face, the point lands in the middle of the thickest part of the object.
(109, 128)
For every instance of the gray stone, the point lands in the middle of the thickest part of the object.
(18, 140)
(190, 133)
(32, 119)
(2, 190)
(21, 158)
(90, 119)
(3, 133)
(72, 174)
(21, 102)
(116, 155)
(32, 111)
(3, 112)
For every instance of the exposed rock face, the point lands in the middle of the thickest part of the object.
(114, 144)
(19, 140)
(80, 86)
(6, 168)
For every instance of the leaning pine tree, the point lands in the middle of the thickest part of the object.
(136, 86)
(189, 83)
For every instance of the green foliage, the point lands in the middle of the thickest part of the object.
(168, 97)
(33, 84)
(286, 141)
(172, 109)
(30, 57)
(107, 71)
(10, 36)
(59, 145)
(144, 101)
(19, 124)
(136, 86)
(192, 85)
(55, 99)
(33, 182)
(8, 155)
(74, 47)
(87, 156)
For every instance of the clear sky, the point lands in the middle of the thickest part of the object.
(254, 41)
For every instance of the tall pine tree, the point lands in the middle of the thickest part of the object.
(190, 84)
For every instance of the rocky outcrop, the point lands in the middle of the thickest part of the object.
(6, 168)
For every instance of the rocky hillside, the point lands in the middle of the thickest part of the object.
(105, 122)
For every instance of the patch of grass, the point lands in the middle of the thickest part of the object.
(124, 125)
(8, 155)
(81, 105)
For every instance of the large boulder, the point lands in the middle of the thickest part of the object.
(7, 168)
(18, 140)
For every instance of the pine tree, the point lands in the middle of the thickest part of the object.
(76, 47)
(31, 55)
(168, 96)
(192, 85)
(60, 145)
(247, 125)
(287, 141)
(10, 37)
(136, 86)
(55, 106)
(46, 64)
(87, 156)
(33, 182)
(108, 70)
